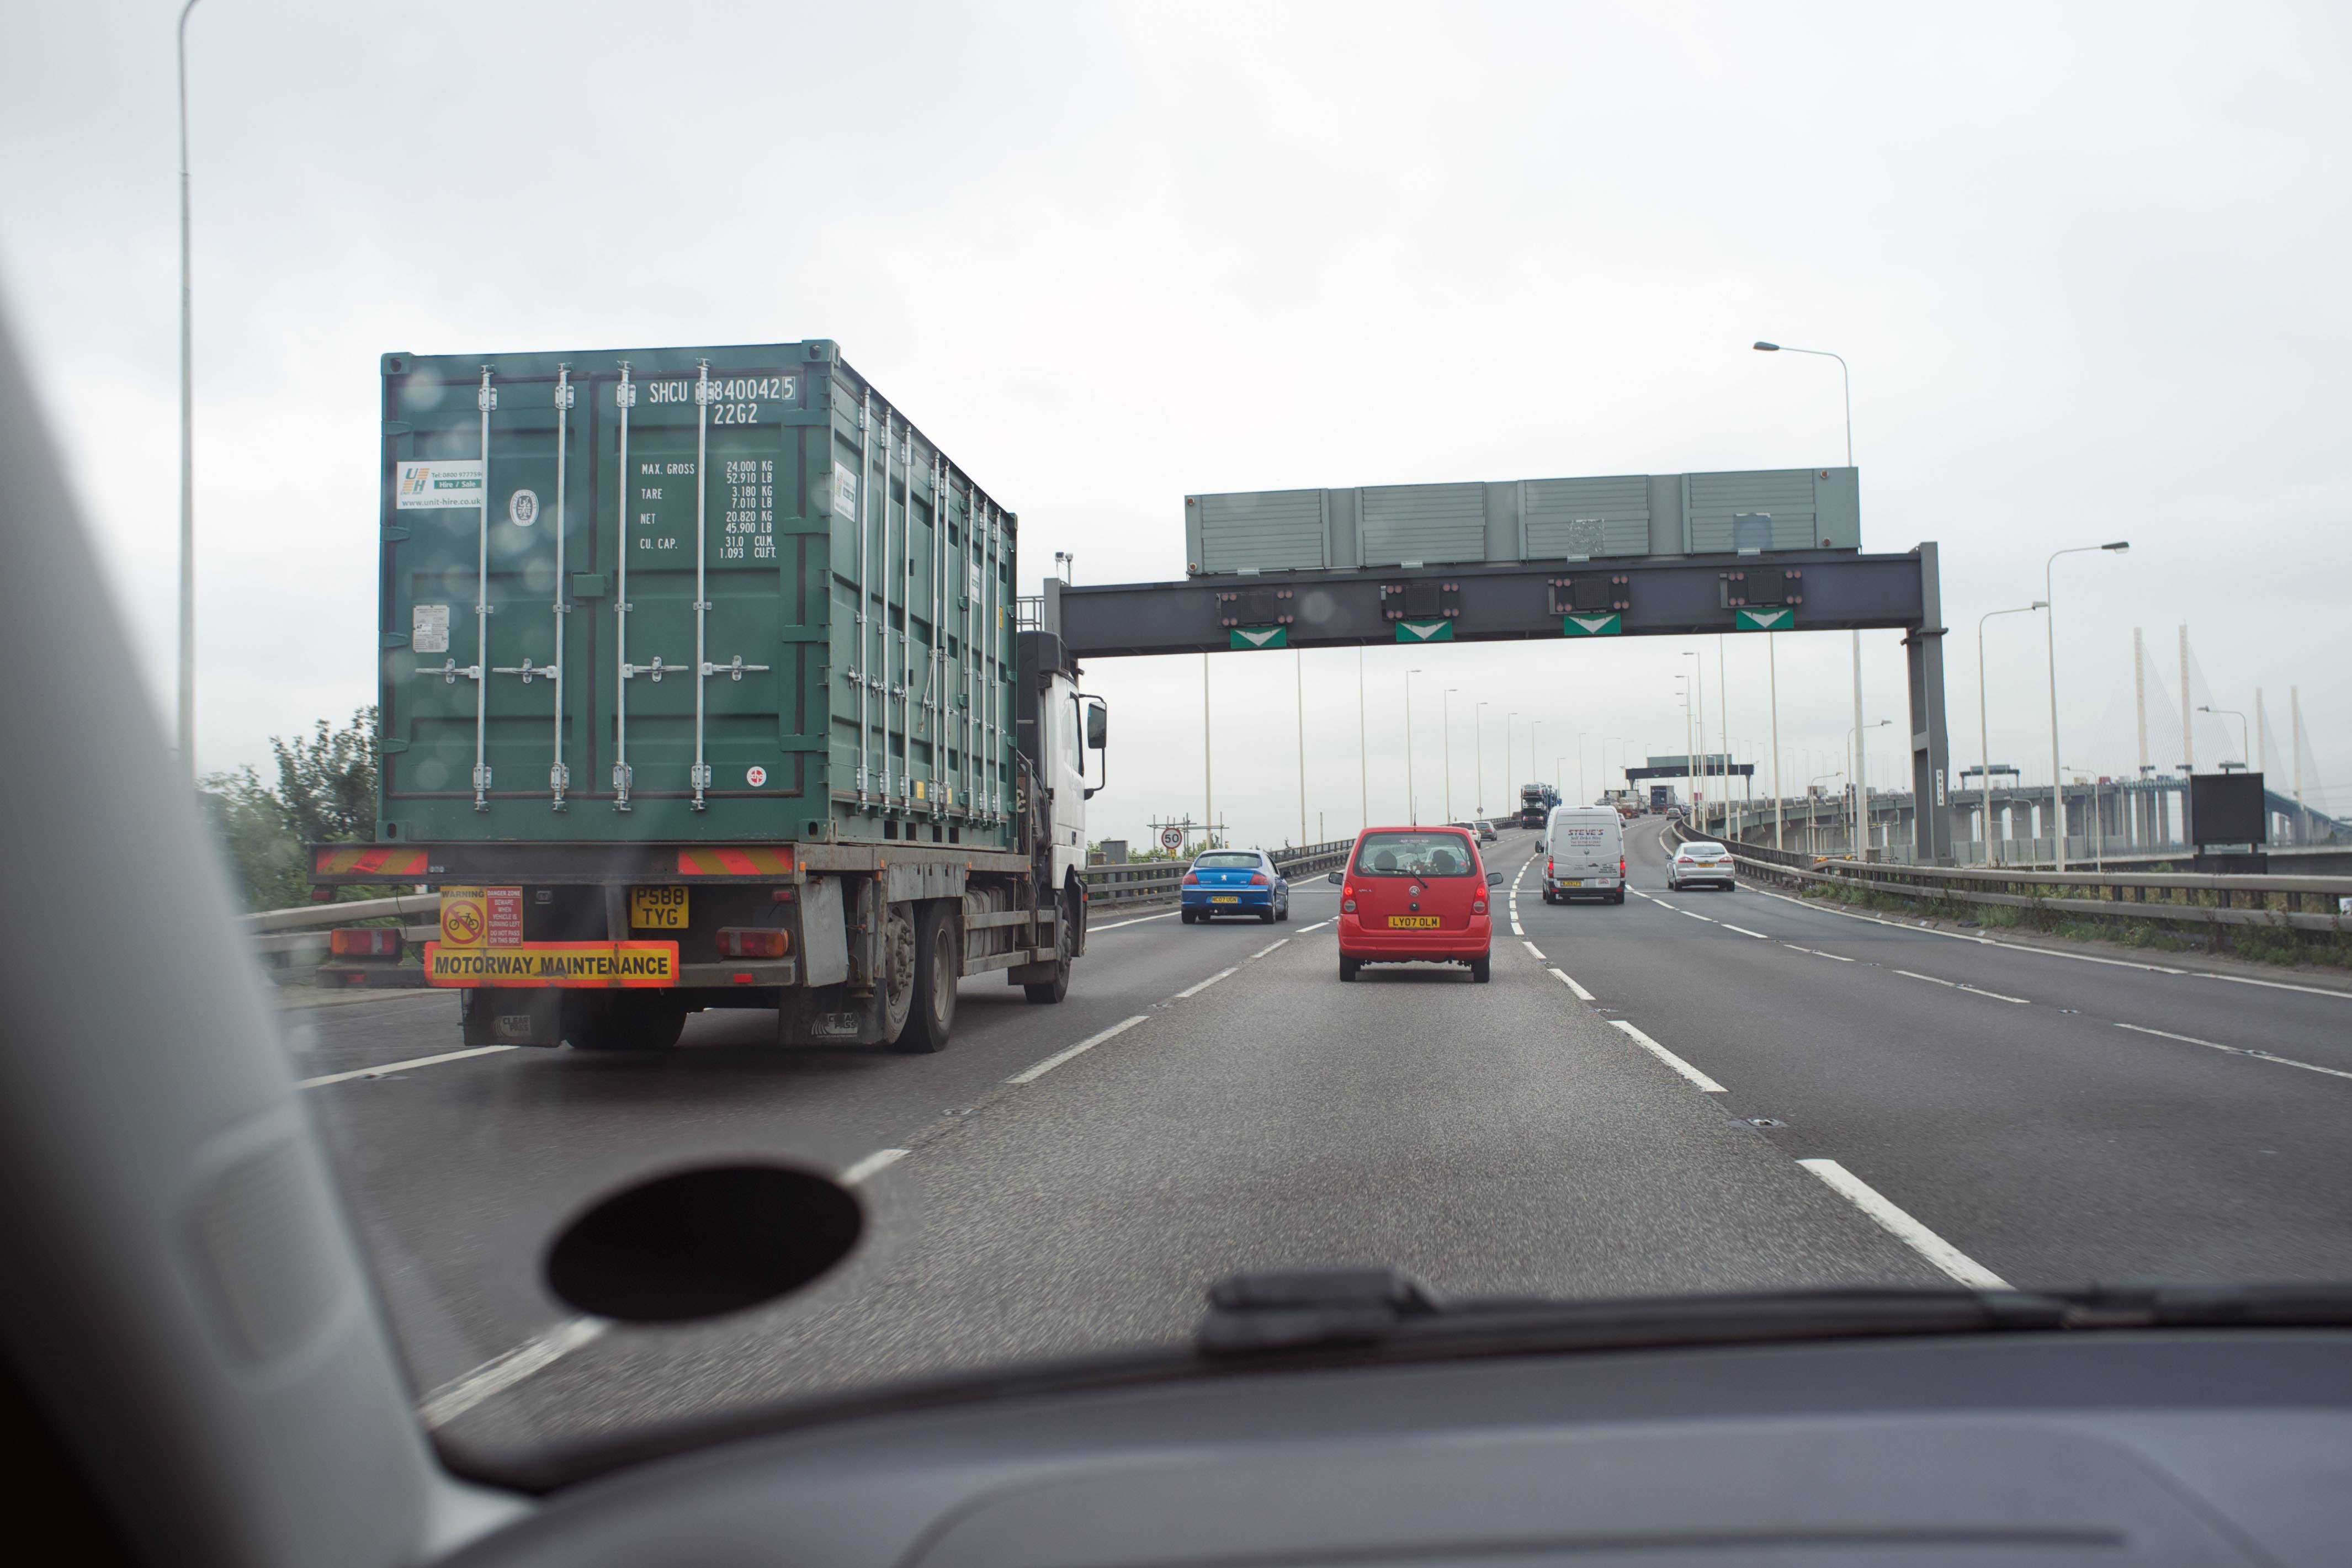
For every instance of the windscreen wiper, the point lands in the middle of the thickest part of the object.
(1389, 1309)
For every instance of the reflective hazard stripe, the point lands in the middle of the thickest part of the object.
(734, 860)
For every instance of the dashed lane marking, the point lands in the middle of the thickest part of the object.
(1534, 949)
(1727, 925)
(1317, 926)
(390, 1067)
(2237, 1050)
(1263, 951)
(1136, 921)
(1694, 915)
(1904, 1229)
(1581, 994)
(1204, 985)
(1032, 1073)
(499, 1373)
(872, 1165)
(1817, 953)
(1958, 986)
(1705, 1083)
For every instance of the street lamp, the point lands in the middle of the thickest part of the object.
(1580, 798)
(1509, 719)
(2050, 624)
(187, 715)
(1812, 818)
(1412, 803)
(2243, 749)
(1445, 746)
(1478, 748)
(1845, 382)
(1984, 743)
(1861, 805)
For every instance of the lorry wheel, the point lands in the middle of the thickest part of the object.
(1054, 989)
(898, 952)
(932, 1017)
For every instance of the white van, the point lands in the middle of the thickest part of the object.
(1584, 854)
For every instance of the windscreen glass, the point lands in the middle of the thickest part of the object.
(675, 494)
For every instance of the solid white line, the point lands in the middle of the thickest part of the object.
(2237, 1050)
(392, 1067)
(1204, 985)
(1581, 994)
(872, 1165)
(1263, 951)
(1136, 921)
(1727, 925)
(2250, 980)
(1904, 1228)
(452, 1400)
(1534, 949)
(1031, 1074)
(2019, 947)
(1317, 926)
(1670, 1059)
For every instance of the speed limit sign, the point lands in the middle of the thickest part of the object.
(1171, 837)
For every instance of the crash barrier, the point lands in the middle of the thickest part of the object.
(297, 937)
(2321, 904)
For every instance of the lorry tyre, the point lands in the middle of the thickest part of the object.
(930, 1021)
(898, 966)
(1054, 989)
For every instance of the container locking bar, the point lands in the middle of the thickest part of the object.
(485, 399)
(559, 777)
(624, 398)
(701, 774)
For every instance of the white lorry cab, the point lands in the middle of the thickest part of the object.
(1583, 852)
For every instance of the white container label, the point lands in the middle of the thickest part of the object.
(428, 628)
(844, 492)
(438, 482)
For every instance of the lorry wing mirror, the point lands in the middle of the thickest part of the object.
(1098, 724)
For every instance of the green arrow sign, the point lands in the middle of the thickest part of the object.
(1248, 637)
(1424, 630)
(1763, 620)
(1609, 625)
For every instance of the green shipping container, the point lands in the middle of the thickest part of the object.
(621, 595)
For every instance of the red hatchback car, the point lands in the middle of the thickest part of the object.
(1415, 895)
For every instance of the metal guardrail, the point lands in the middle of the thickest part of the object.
(300, 928)
(2195, 897)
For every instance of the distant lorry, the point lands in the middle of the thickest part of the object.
(1536, 801)
(1663, 798)
(703, 685)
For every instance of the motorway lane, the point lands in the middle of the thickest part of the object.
(457, 1172)
(2038, 1136)
(1496, 1138)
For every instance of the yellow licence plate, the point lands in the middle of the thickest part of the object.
(1224, 898)
(657, 908)
(1573, 882)
(1414, 921)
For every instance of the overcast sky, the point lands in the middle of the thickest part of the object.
(2087, 263)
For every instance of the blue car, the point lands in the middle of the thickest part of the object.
(1234, 881)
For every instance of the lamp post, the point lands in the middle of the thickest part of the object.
(1208, 776)
(1509, 719)
(1984, 743)
(1845, 385)
(1772, 667)
(1860, 804)
(1363, 755)
(1812, 818)
(1299, 687)
(187, 706)
(1478, 749)
(1445, 746)
(1412, 803)
(2233, 713)
(2049, 625)
(1581, 798)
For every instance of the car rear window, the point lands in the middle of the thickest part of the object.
(1415, 854)
(1235, 860)
(1709, 850)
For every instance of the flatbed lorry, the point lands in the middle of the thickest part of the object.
(703, 683)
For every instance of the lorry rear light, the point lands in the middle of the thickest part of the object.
(753, 942)
(1257, 879)
(366, 942)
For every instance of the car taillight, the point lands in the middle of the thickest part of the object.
(1191, 880)
(753, 942)
(1257, 879)
(366, 942)
(1621, 866)
(1548, 867)
(1477, 906)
